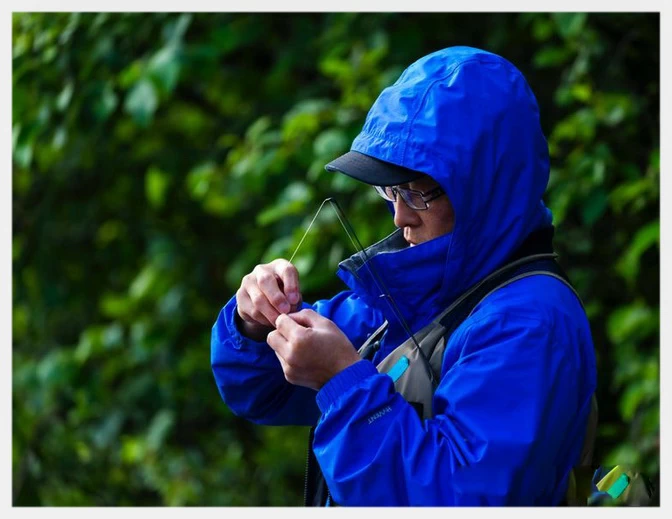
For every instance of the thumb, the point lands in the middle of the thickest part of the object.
(286, 324)
(307, 318)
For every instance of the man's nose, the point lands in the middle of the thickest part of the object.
(403, 215)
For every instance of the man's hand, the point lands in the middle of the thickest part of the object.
(265, 293)
(311, 348)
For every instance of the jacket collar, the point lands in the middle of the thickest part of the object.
(412, 276)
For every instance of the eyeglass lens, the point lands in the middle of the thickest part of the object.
(412, 198)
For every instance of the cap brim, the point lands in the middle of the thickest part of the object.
(372, 171)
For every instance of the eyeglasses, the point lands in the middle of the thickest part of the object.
(414, 199)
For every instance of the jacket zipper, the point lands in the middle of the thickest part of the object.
(307, 471)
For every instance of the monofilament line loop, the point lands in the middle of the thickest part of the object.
(308, 230)
(356, 244)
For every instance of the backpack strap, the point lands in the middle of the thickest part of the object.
(462, 308)
(534, 256)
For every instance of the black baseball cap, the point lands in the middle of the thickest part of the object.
(372, 171)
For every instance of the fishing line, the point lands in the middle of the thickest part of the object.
(308, 230)
(350, 232)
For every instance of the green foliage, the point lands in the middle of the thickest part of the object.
(158, 157)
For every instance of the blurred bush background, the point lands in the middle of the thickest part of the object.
(157, 157)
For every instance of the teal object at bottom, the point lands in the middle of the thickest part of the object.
(619, 486)
(398, 369)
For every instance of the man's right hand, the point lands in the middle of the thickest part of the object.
(265, 293)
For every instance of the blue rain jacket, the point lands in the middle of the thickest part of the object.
(512, 404)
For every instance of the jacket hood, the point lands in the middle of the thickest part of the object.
(467, 118)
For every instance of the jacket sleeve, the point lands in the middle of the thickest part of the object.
(249, 376)
(509, 423)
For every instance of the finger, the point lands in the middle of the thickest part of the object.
(289, 277)
(297, 306)
(261, 309)
(283, 352)
(277, 343)
(307, 318)
(242, 303)
(269, 285)
(286, 326)
(247, 312)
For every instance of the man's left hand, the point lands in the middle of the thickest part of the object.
(311, 348)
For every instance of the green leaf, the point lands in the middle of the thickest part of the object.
(579, 126)
(131, 74)
(200, 179)
(174, 32)
(141, 102)
(20, 321)
(54, 369)
(221, 205)
(143, 283)
(631, 322)
(156, 183)
(89, 344)
(569, 25)
(16, 133)
(594, 206)
(115, 306)
(654, 159)
(291, 201)
(23, 154)
(113, 336)
(106, 103)
(282, 247)
(624, 454)
(63, 99)
(132, 450)
(109, 231)
(629, 263)
(331, 143)
(630, 401)
(629, 194)
(108, 431)
(170, 304)
(612, 109)
(552, 56)
(582, 92)
(164, 67)
(542, 28)
(258, 128)
(304, 119)
(161, 425)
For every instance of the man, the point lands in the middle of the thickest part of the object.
(456, 147)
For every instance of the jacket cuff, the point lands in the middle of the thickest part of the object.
(342, 382)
